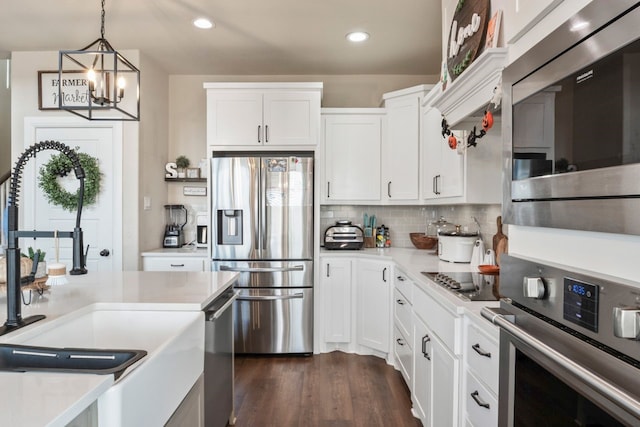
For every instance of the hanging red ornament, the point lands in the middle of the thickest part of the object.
(487, 120)
(453, 142)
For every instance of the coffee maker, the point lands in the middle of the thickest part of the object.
(176, 218)
(202, 230)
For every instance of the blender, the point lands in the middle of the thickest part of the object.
(176, 218)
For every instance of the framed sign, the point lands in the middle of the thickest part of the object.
(75, 89)
(467, 35)
(194, 191)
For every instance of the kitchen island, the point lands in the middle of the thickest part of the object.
(54, 399)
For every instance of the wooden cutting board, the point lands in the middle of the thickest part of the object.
(500, 241)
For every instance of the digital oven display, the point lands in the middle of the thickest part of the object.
(581, 304)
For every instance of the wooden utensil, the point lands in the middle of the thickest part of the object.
(500, 241)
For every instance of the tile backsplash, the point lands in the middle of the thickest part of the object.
(403, 220)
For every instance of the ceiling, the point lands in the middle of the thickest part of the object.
(251, 37)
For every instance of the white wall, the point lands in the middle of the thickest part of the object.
(5, 117)
(148, 167)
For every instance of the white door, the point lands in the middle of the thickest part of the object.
(100, 222)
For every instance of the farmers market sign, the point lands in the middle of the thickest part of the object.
(72, 89)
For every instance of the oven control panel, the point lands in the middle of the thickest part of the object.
(581, 303)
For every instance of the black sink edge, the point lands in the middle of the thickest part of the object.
(28, 358)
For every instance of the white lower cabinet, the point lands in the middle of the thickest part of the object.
(437, 361)
(373, 281)
(480, 382)
(422, 371)
(446, 371)
(403, 326)
(179, 263)
(336, 289)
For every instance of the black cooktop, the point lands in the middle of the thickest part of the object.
(469, 286)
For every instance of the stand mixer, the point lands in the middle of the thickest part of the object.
(176, 217)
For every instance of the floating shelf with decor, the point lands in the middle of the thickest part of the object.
(473, 89)
(185, 179)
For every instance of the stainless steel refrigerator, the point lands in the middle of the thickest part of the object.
(262, 227)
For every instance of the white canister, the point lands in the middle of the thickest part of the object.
(456, 248)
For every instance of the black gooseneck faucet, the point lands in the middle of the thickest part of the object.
(14, 302)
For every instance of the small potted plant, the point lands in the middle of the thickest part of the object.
(182, 162)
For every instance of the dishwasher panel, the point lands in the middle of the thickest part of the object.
(218, 361)
(274, 321)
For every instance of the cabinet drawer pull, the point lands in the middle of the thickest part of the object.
(480, 351)
(266, 133)
(389, 189)
(475, 397)
(177, 265)
(425, 340)
(399, 301)
(384, 273)
(328, 189)
(328, 275)
(400, 278)
(259, 133)
(399, 341)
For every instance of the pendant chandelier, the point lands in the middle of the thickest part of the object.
(110, 83)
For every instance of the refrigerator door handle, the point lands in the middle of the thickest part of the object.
(261, 269)
(271, 297)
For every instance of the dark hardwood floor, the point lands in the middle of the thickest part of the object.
(333, 389)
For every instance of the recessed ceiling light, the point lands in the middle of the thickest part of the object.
(203, 23)
(357, 36)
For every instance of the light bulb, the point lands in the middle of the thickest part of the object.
(121, 84)
(91, 76)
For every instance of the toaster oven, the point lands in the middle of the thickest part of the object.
(343, 235)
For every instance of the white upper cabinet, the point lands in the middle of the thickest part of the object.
(442, 171)
(401, 147)
(265, 114)
(352, 141)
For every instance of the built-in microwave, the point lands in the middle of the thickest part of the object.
(571, 125)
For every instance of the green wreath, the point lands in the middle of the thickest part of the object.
(60, 166)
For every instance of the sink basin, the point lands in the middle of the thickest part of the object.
(23, 358)
(149, 389)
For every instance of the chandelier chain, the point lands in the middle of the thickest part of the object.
(102, 21)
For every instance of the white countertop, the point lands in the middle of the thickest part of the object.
(54, 399)
(186, 251)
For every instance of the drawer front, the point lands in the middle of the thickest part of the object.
(476, 399)
(402, 313)
(403, 355)
(173, 264)
(441, 321)
(482, 356)
(403, 284)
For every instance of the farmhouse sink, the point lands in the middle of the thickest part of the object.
(23, 358)
(150, 388)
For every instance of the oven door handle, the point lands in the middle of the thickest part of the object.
(270, 297)
(262, 269)
(615, 394)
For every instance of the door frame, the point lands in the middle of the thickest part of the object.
(31, 124)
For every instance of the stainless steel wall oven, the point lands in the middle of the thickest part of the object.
(571, 125)
(569, 347)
